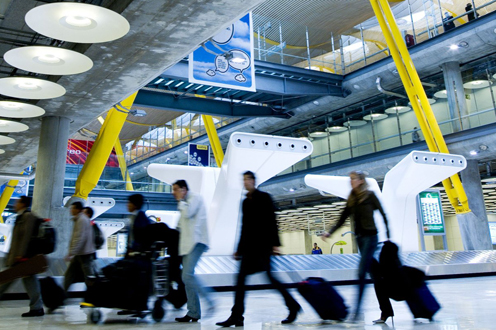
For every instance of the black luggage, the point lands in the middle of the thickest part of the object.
(52, 294)
(422, 303)
(324, 298)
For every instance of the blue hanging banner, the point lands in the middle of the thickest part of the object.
(198, 155)
(226, 60)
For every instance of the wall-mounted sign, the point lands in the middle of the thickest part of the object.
(431, 212)
(226, 60)
(492, 230)
(198, 155)
(78, 151)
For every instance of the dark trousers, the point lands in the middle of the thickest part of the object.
(239, 300)
(367, 246)
(381, 290)
(79, 269)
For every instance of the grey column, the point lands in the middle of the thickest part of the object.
(456, 95)
(474, 227)
(49, 182)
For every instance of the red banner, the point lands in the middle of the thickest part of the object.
(78, 150)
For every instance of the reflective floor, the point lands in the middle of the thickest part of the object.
(468, 303)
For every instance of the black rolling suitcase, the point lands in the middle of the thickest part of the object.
(422, 303)
(52, 294)
(324, 298)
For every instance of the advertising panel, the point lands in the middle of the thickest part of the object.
(198, 155)
(431, 212)
(226, 60)
(78, 150)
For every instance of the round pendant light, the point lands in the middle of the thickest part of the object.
(336, 129)
(30, 88)
(441, 94)
(354, 123)
(476, 84)
(375, 116)
(8, 126)
(14, 109)
(400, 109)
(48, 60)
(2, 151)
(77, 22)
(6, 140)
(318, 134)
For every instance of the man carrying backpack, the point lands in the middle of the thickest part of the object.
(21, 238)
(81, 247)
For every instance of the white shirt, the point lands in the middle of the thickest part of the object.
(192, 224)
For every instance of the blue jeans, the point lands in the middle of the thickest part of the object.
(192, 285)
(367, 246)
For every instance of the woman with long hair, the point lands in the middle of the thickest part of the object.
(360, 206)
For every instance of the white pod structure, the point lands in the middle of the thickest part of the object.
(417, 172)
(222, 189)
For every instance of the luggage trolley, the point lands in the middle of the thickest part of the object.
(127, 284)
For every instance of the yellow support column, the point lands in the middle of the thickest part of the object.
(6, 195)
(214, 139)
(418, 98)
(122, 165)
(104, 143)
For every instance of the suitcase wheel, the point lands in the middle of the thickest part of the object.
(158, 311)
(95, 316)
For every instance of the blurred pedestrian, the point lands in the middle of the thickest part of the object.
(470, 12)
(316, 249)
(137, 241)
(415, 135)
(193, 242)
(259, 240)
(360, 206)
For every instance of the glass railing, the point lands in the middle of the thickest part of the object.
(343, 54)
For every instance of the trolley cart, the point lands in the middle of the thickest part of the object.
(127, 285)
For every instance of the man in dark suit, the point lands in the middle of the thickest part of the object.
(137, 240)
(259, 240)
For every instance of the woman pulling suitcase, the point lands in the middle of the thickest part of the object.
(360, 206)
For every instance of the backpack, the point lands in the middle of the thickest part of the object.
(97, 236)
(43, 239)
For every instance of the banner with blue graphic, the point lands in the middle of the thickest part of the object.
(226, 60)
(198, 155)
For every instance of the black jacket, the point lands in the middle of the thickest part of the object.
(138, 242)
(363, 216)
(259, 232)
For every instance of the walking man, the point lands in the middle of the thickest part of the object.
(259, 240)
(137, 240)
(193, 241)
(19, 250)
(81, 247)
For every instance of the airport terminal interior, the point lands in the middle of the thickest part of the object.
(103, 99)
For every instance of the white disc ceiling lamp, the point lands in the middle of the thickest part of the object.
(2, 151)
(8, 126)
(77, 22)
(13, 109)
(30, 88)
(6, 140)
(48, 60)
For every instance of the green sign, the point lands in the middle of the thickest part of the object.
(431, 212)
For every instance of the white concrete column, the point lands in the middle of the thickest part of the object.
(49, 182)
(474, 227)
(456, 95)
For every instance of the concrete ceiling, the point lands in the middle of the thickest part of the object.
(162, 33)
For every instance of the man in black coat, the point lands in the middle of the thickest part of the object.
(137, 240)
(259, 240)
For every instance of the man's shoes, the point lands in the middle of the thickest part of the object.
(186, 318)
(236, 321)
(293, 313)
(34, 312)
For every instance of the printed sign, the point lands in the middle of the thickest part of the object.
(431, 212)
(22, 187)
(226, 60)
(78, 150)
(198, 155)
(492, 230)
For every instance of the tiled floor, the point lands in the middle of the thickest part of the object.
(467, 303)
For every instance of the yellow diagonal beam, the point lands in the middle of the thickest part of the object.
(7, 195)
(415, 91)
(213, 137)
(104, 143)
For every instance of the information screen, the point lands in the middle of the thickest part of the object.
(431, 212)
